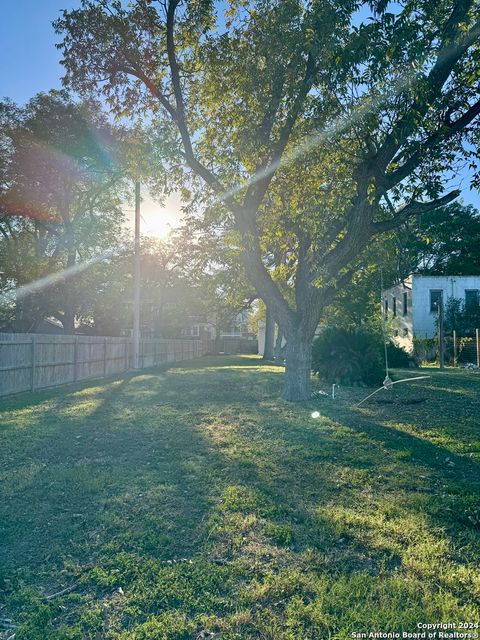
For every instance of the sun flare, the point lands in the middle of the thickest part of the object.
(157, 220)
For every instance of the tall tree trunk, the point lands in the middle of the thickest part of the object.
(298, 367)
(269, 336)
(68, 318)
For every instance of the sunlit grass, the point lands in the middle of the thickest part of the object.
(195, 501)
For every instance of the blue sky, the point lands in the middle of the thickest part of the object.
(29, 61)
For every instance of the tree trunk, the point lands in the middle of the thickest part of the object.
(68, 321)
(298, 368)
(269, 336)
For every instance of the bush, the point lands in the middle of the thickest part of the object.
(351, 357)
(425, 349)
(398, 357)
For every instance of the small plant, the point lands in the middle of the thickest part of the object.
(351, 357)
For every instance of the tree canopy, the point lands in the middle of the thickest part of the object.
(60, 201)
(315, 126)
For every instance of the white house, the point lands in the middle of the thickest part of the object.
(413, 303)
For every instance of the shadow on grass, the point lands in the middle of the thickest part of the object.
(204, 462)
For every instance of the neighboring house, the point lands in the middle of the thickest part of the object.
(175, 312)
(201, 327)
(412, 305)
(238, 326)
(206, 327)
(181, 311)
(50, 326)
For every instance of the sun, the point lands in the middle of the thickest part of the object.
(157, 220)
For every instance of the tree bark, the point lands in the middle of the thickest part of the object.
(298, 368)
(269, 336)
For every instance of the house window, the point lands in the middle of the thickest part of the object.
(405, 303)
(386, 307)
(394, 306)
(195, 331)
(436, 298)
(471, 299)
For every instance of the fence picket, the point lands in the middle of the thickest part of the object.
(29, 362)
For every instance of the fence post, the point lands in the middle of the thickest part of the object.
(477, 335)
(75, 359)
(441, 352)
(33, 356)
(454, 348)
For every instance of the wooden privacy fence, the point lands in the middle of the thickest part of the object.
(37, 361)
(233, 345)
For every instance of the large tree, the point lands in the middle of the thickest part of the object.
(445, 241)
(317, 125)
(60, 201)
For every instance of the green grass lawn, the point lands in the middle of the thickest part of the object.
(194, 503)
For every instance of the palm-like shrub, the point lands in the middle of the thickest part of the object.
(351, 357)
(398, 357)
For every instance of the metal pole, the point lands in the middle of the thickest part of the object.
(136, 285)
(454, 348)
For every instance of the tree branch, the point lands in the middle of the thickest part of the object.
(179, 113)
(446, 131)
(257, 190)
(412, 209)
(454, 45)
(326, 296)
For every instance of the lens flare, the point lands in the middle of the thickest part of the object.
(340, 124)
(52, 279)
(46, 169)
(410, 77)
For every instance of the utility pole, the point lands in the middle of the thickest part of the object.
(477, 340)
(136, 283)
(441, 350)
